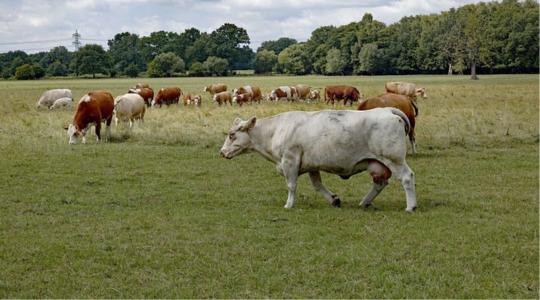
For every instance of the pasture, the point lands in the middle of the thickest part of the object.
(158, 214)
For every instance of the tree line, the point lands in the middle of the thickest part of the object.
(494, 37)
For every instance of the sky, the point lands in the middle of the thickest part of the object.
(38, 25)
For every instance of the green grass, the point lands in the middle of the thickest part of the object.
(159, 215)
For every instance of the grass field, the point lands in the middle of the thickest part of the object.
(157, 214)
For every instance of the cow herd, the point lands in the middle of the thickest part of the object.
(342, 142)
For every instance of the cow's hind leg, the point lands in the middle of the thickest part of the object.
(406, 175)
(319, 187)
(380, 174)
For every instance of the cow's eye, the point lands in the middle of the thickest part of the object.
(231, 136)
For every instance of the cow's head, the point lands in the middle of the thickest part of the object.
(74, 133)
(238, 140)
(420, 92)
(197, 100)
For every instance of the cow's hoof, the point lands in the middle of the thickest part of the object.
(287, 206)
(365, 205)
(336, 202)
(344, 177)
(411, 210)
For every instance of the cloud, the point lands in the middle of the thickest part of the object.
(100, 20)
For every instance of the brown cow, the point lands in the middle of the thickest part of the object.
(167, 96)
(146, 93)
(223, 98)
(93, 108)
(338, 92)
(242, 98)
(401, 102)
(302, 91)
(255, 91)
(215, 88)
(314, 95)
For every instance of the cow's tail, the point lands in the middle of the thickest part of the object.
(402, 115)
(325, 95)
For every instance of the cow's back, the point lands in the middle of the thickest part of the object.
(102, 101)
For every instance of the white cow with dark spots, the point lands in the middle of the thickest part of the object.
(339, 142)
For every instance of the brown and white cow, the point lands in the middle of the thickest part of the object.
(240, 99)
(141, 85)
(146, 93)
(223, 98)
(314, 95)
(191, 99)
(288, 93)
(255, 91)
(405, 88)
(215, 88)
(337, 92)
(93, 108)
(401, 102)
(167, 96)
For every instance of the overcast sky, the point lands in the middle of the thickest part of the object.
(49, 23)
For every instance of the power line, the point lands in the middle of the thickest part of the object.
(33, 42)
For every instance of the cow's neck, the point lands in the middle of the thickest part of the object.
(261, 139)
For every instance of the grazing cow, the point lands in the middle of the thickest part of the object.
(283, 92)
(93, 108)
(342, 142)
(400, 102)
(128, 108)
(242, 98)
(141, 85)
(302, 91)
(223, 98)
(314, 95)
(190, 99)
(255, 92)
(167, 96)
(48, 97)
(215, 88)
(146, 93)
(405, 88)
(338, 92)
(62, 103)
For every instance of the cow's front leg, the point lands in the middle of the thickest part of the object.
(319, 187)
(289, 168)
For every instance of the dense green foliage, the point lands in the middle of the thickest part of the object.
(494, 37)
(165, 64)
(29, 71)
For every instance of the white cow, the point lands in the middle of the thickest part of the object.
(48, 97)
(128, 108)
(339, 142)
(288, 93)
(62, 103)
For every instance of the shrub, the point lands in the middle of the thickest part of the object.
(29, 71)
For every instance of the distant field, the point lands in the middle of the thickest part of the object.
(158, 214)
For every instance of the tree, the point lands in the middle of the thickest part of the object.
(57, 69)
(265, 61)
(196, 69)
(334, 62)
(368, 59)
(216, 66)
(57, 54)
(231, 43)
(278, 45)
(29, 71)
(201, 49)
(90, 59)
(294, 60)
(132, 70)
(165, 64)
(124, 50)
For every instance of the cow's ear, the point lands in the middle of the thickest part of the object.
(250, 123)
(237, 121)
(66, 127)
